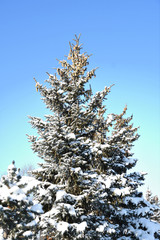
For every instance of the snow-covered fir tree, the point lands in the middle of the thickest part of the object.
(86, 189)
(17, 210)
(154, 200)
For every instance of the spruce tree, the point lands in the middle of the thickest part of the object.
(17, 210)
(86, 189)
(154, 200)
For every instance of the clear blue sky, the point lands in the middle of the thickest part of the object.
(124, 38)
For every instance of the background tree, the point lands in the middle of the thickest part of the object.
(17, 210)
(86, 190)
(154, 200)
(27, 169)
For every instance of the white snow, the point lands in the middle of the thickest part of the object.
(71, 136)
(71, 210)
(123, 191)
(60, 194)
(107, 181)
(151, 226)
(62, 226)
(1, 234)
(60, 91)
(37, 208)
(135, 200)
(81, 227)
(109, 118)
(33, 223)
(27, 234)
(101, 227)
(111, 230)
(11, 166)
(77, 170)
(106, 145)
